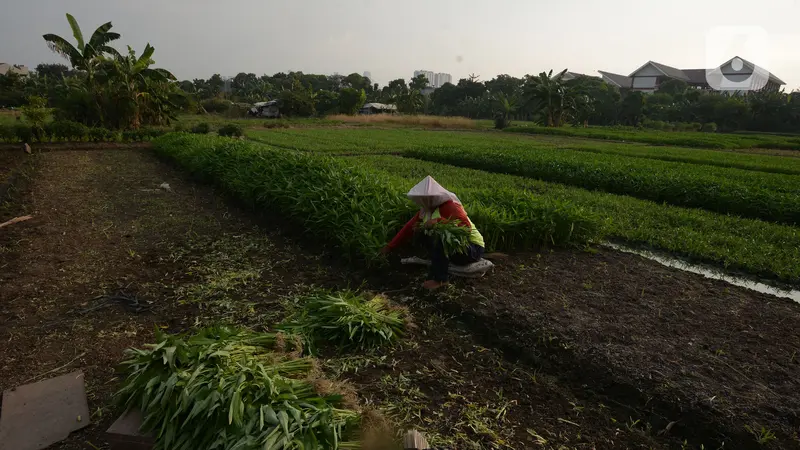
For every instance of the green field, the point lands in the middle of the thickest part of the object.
(682, 138)
(514, 212)
(344, 140)
(748, 193)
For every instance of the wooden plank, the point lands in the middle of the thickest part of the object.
(124, 434)
(40, 414)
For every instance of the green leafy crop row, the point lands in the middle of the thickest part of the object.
(773, 197)
(736, 160)
(356, 141)
(682, 139)
(354, 209)
(750, 245)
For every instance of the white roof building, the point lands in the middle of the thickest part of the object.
(21, 70)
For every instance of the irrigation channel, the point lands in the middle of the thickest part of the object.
(710, 272)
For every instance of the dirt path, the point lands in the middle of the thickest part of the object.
(111, 255)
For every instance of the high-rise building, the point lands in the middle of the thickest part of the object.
(442, 78)
(435, 80)
(428, 74)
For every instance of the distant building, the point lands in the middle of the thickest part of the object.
(435, 80)
(227, 87)
(573, 75)
(735, 75)
(368, 74)
(378, 108)
(20, 70)
(428, 74)
(265, 109)
(441, 78)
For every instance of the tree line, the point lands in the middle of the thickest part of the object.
(102, 87)
(547, 98)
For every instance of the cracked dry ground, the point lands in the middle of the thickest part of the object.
(559, 350)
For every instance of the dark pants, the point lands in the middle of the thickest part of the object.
(440, 263)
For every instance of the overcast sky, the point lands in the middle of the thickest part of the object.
(391, 39)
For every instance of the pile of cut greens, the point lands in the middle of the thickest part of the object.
(349, 319)
(228, 388)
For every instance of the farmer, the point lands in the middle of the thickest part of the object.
(436, 204)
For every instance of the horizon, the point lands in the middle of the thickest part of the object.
(225, 41)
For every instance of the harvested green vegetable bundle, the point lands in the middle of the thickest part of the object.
(223, 389)
(352, 320)
(454, 238)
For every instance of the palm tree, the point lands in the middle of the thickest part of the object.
(86, 56)
(136, 83)
(410, 102)
(505, 106)
(548, 93)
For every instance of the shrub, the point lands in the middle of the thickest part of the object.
(37, 133)
(695, 126)
(36, 111)
(23, 132)
(709, 127)
(131, 135)
(7, 133)
(68, 130)
(151, 133)
(237, 111)
(659, 125)
(231, 130)
(179, 127)
(297, 104)
(681, 126)
(99, 134)
(275, 124)
(216, 105)
(501, 122)
(201, 128)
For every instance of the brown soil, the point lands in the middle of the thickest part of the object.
(10, 160)
(573, 349)
(103, 226)
(703, 355)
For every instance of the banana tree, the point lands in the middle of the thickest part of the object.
(85, 56)
(549, 94)
(137, 85)
(411, 102)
